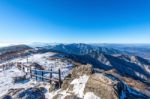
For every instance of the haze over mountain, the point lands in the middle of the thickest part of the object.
(142, 50)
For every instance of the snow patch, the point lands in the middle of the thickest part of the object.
(79, 85)
(90, 95)
(6, 80)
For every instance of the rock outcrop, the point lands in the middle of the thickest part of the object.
(101, 86)
(97, 84)
(76, 73)
(82, 70)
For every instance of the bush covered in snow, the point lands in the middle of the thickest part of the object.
(19, 79)
(32, 93)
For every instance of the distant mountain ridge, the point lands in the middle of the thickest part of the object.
(108, 58)
(142, 50)
(11, 52)
(14, 48)
(83, 49)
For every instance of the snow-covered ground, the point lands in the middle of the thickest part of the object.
(90, 95)
(6, 83)
(33, 58)
(44, 60)
(6, 76)
(6, 80)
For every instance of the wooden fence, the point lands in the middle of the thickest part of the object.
(7, 66)
(33, 72)
(40, 74)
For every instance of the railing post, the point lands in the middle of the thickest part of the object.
(27, 59)
(59, 73)
(30, 72)
(6, 66)
(42, 76)
(23, 69)
(51, 76)
(35, 74)
(3, 67)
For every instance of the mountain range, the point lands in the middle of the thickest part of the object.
(116, 61)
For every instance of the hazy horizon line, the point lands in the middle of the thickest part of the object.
(30, 43)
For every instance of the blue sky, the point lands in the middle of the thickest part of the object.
(74, 21)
